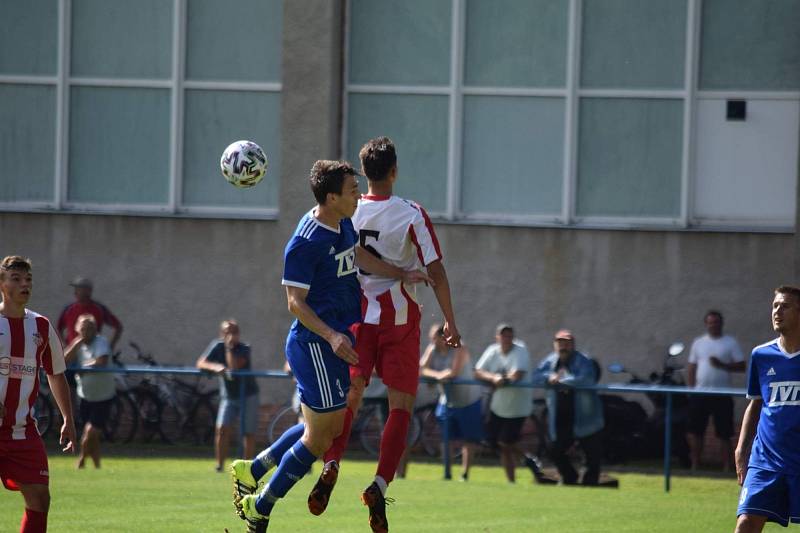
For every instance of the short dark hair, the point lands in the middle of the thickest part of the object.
(15, 262)
(789, 289)
(713, 312)
(378, 157)
(327, 177)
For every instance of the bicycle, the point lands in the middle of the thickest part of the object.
(43, 409)
(181, 411)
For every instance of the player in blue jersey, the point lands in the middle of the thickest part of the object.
(771, 478)
(322, 291)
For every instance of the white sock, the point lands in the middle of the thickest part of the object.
(381, 484)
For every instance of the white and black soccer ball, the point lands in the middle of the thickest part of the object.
(243, 164)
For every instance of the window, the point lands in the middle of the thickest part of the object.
(588, 113)
(128, 105)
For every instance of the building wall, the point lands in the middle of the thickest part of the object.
(626, 294)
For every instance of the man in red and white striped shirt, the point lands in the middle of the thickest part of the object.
(400, 233)
(28, 343)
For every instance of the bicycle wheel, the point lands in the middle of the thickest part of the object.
(172, 424)
(370, 429)
(123, 419)
(200, 425)
(283, 420)
(431, 432)
(43, 414)
(148, 407)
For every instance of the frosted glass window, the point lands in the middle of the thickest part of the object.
(633, 44)
(750, 44)
(406, 43)
(246, 47)
(28, 33)
(747, 170)
(119, 145)
(513, 155)
(122, 39)
(629, 162)
(27, 142)
(516, 43)
(213, 120)
(418, 127)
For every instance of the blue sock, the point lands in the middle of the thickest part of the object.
(294, 465)
(270, 457)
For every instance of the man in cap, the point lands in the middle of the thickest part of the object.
(503, 363)
(575, 414)
(83, 305)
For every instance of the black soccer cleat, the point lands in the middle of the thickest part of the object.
(320, 495)
(373, 498)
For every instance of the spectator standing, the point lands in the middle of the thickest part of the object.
(575, 414)
(712, 359)
(502, 364)
(84, 304)
(96, 390)
(223, 355)
(460, 408)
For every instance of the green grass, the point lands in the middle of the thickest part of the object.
(184, 494)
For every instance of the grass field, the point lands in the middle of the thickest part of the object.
(175, 494)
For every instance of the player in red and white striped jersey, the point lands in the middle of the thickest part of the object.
(28, 343)
(399, 232)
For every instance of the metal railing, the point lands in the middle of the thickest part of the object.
(667, 391)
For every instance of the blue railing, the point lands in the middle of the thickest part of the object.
(666, 390)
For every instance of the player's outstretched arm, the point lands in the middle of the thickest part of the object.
(60, 387)
(441, 289)
(746, 436)
(368, 262)
(340, 344)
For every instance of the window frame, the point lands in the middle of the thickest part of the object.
(572, 93)
(177, 84)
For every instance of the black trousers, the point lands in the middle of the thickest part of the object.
(592, 446)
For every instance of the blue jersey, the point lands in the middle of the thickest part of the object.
(774, 376)
(322, 259)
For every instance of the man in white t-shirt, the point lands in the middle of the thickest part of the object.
(96, 390)
(503, 363)
(712, 359)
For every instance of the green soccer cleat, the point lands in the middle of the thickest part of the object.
(243, 481)
(256, 522)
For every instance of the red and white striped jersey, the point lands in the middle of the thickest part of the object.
(399, 232)
(26, 345)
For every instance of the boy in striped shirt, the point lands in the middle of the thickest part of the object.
(28, 343)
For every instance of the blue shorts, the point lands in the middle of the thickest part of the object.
(323, 378)
(466, 423)
(771, 494)
(229, 413)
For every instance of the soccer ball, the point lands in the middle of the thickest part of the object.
(243, 164)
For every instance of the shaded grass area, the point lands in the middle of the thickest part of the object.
(149, 492)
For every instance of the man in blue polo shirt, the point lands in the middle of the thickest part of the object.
(771, 478)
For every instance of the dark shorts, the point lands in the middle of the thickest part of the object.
(771, 494)
(323, 378)
(23, 462)
(95, 413)
(503, 430)
(465, 422)
(719, 408)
